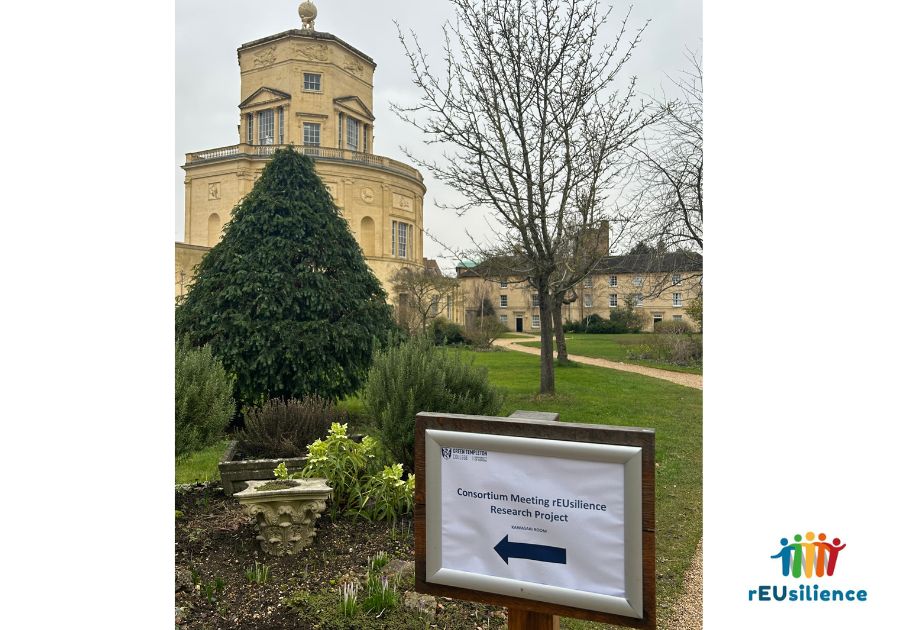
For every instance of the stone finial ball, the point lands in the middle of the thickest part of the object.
(307, 11)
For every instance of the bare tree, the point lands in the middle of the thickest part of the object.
(533, 130)
(670, 196)
(421, 295)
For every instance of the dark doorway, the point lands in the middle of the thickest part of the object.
(519, 325)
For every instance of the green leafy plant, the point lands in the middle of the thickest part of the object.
(387, 495)
(345, 463)
(695, 311)
(286, 299)
(213, 591)
(417, 376)
(286, 428)
(258, 573)
(203, 403)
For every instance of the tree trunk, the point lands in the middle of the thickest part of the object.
(548, 378)
(562, 354)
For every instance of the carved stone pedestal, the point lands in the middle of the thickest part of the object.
(285, 518)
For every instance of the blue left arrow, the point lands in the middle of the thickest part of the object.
(528, 551)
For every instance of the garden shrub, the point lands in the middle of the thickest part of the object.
(446, 333)
(673, 327)
(285, 428)
(695, 311)
(676, 349)
(573, 327)
(346, 464)
(387, 495)
(485, 330)
(417, 376)
(203, 403)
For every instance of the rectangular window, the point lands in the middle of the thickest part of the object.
(588, 282)
(249, 128)
(588, 300)
(676, 299)
(281, 125)
(503, 319)
(535, 321)
(657, 317)
(312, 82)
(267, 126)
(676, 318)
(450, 307)
(433, 311)
(535, 300)
(504, 301)
(352, 134)
(638, 300)
(400, 239)
(504, 284)
(365, 138)
(311, 134)
(638, 281)
(613, 300)
(676, 278)
(613, 281)
(340, 130)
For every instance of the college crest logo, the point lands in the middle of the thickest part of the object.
(446, 452)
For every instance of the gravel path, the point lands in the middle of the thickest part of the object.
(688, 612)
(680, 378)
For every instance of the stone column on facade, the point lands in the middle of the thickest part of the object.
(187, 208)
(387, 205)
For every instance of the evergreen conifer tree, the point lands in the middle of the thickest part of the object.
(285, 299)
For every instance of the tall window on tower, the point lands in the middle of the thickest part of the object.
(281, 125)
(267, 126)
(311, 134)
(400, 239)
(352, 134)
(249, 128)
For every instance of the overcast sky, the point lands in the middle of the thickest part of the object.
(207, 79)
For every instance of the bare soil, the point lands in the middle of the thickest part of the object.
(215, 544)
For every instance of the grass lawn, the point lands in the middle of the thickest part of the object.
(601, 396)
(514, 335)
(614, 348)
(200, 466)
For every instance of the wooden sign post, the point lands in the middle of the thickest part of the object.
(548, 519)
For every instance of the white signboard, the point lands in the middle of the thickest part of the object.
(549, 520)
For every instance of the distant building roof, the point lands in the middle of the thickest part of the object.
(296, 32)
(649, 263)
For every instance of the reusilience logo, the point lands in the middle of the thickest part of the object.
(814, 556)
(810, 556)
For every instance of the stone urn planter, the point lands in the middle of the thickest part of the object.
(285, 512)
(236, 473)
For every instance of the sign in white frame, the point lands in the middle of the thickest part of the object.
(629, 458)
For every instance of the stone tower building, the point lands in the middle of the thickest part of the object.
(312, 90)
